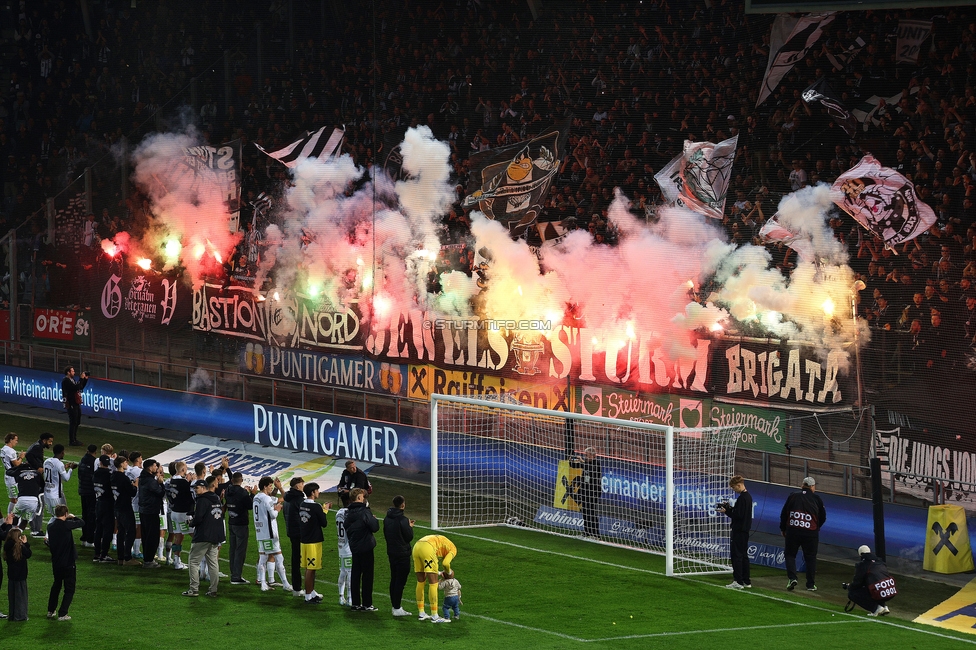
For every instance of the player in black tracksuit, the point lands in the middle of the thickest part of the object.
(800, 522)
(123, 491)
(741, 515)
(86, 490)
(104, 509)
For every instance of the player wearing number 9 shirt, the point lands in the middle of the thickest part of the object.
(800, 522)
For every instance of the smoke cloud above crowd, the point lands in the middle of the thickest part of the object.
(342, 233)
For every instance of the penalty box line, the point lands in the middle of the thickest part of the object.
(754, 593)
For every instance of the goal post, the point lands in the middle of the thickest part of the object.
(645, 486)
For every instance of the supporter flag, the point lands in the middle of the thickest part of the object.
(840, 61)
(821, 92)
(551, 232)
(261, 204)
(883, 201)
(510, 184)
(699, 178)
(911, 34)
(311, 145)
(215, 169)
(870, 110)
(774, 231)
(790, 39)
(705, 175)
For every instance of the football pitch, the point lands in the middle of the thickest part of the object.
(520, 588)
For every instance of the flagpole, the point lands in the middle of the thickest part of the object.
(855, 288)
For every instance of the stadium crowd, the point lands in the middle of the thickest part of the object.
(637, 78)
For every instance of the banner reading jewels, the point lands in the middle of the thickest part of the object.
(763, 429)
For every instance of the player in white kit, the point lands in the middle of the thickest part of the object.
(345, 554)
(9, 454)
(56, 472)
(266, 509)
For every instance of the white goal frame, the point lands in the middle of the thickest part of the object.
(668, 433)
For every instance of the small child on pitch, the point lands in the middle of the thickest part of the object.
(452, 594)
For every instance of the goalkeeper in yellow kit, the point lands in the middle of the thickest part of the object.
(426, 554)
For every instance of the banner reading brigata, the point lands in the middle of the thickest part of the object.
(782, 372)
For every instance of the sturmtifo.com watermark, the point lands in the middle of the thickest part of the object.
(487, 324)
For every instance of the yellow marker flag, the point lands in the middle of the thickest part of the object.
(568, 482)
(947, 548)
(957, 613)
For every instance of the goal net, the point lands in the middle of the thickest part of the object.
(644, 486)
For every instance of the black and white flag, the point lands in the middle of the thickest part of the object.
(872, 109)
(312, 145)
(883, 201)
(841, 60)
(790, 39)
(822, 93)
(699, 178)
(911, 34)
(261, 204)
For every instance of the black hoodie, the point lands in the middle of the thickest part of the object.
(208, 519)
(293, 524)
(360, 526)
(398, 533)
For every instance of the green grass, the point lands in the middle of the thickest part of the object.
(520, 589)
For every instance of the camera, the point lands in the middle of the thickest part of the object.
(724, 505)
(845, 585)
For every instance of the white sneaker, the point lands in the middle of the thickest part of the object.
(423, 616)
(266, 587)
(286, 587)
(298, 593)
(274, 584)
(734, 585)
(880, 611)
(399, 611)
(437, 619)
(179, 566)
(88, 545)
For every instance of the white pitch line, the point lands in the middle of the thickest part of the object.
(726, 629)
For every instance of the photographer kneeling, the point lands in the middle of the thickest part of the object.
(872, 585)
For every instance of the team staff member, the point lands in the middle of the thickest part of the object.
(239, 502)
(800, 522)
(398, 531)
(741, 515)
(588, 495)
(293, 500)
(312, 519)
(353, 477)
(86, 490)
(207, 522)
(64, 557)
(71, 394)
(150, 498)
(123, 489)
(360, 526)
(104, 509)
(426, 554)
(180, 497)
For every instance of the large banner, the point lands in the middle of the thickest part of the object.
(423, 381)
(63, 326)
(331, 370)
(220, 167)
(763, 429)
(325, 434)
(947, 462)
(133, 298)
(783, 373)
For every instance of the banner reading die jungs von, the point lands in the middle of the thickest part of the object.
(423, 381)
(763, 429)
(320, 369)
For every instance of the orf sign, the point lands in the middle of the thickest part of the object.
(62, 325)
